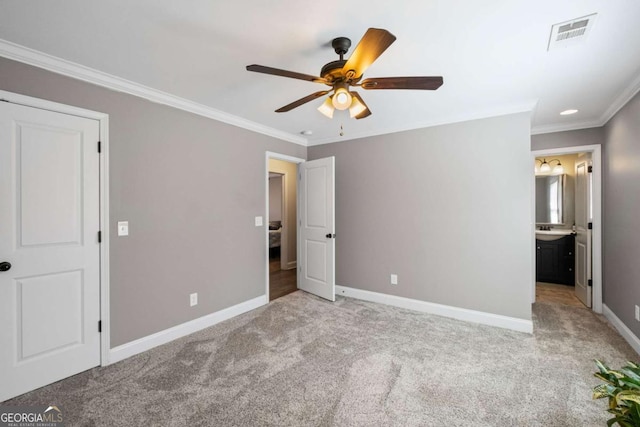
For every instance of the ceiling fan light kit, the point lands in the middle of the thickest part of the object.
(340, 75)
(341, 96)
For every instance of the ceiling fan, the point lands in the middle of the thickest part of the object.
(343, 74)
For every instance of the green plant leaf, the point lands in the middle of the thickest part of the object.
(628, 396)
(622, 388)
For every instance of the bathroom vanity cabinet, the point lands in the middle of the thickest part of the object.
(555, 260)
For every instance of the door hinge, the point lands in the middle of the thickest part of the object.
(589, 282)
(99, 236)
(99, 325)
(590, 226)
(99, 147)
(590, 169)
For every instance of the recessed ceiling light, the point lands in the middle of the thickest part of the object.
(568, 112)
(307, 132)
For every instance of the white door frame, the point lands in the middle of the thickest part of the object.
(277, 156)
(596, 158)
(103, 119)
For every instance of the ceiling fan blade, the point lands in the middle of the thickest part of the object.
(301, 101)
(366, 112)
(373, 43)
(284, 73)
(424, 83)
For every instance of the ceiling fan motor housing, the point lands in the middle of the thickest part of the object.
(333, 70)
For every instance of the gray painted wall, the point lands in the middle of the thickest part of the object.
(621, 212)
(187, 232)
(275, 198)
(417, 204)
(572, 138)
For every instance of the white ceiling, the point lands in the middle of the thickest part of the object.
(492, 54)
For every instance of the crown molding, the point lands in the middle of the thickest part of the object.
(61, 66)
(562, 127)
(485, 114)
(625, 96)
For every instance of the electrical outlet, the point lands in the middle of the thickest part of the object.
(637, 313)
(193, 299)
(394, 279)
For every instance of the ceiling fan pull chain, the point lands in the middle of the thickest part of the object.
(341, 130)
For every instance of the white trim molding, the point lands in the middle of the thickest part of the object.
(626, 333)
(490, 319)
(147, 343)
(61, 66)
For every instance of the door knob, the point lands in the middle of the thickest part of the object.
(330, 236)
(5, 266)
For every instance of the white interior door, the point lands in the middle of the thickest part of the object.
(317, 228)
(583, 232)
(49, 222)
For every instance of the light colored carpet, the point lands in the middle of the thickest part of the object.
(303, 361)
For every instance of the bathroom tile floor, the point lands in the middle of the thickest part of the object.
(559, 294)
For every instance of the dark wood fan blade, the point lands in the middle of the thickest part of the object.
(366, 112)
(373, 43)
(301, 101)
(423, 83)
(284, 73)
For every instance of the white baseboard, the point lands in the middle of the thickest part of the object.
(626, 333)
(146, 343)
(292, 265)
(520, 325)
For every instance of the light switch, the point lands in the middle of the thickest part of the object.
(258, 221)
(123, 228)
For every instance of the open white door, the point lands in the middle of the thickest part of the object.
(317, 228)
(583, 232)
(49, 249)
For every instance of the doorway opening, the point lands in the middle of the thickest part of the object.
(568, 241)
(282, 213)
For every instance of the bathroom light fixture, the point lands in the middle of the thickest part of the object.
(568, 112)
(545, 167)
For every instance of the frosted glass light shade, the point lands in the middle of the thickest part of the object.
(341, 99)
(327, 108)
(544, 167)
(356, 108)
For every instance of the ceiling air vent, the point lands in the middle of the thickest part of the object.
(572, 32)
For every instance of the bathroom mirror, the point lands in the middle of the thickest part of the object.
(550, 199)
